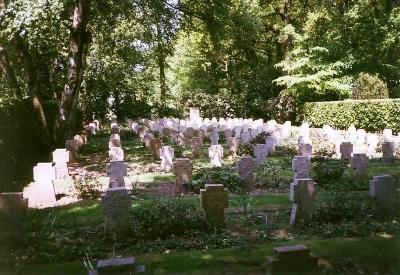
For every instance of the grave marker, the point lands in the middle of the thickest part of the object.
(213, 200)
(302, 195)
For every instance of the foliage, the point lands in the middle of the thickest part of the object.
(371, 115)
(260, 138)
(328, 171)
(269, 175)
(87, 188)
(245, 149)
(165, 218)
(285, 150)
(369, 87)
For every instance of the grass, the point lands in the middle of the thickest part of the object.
(383, 256)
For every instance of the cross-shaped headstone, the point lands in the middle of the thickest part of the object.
(214, 199)
(233, 144)
(216, 153)
(166, 155)
(359, 165)
(245, 167)
(301, 167)
(116, 171)
(183, 171)
(346, 149)
(302, 195)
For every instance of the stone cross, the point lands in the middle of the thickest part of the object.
(245, 167)
(116, 171)
(166, 155)
(233, 144)
(261, 152)
(155, 146)
(245, 137)
(302, 195)
(41, 191)
(305, 150)
(346, 149)
(301, 167)
(384, 189)
(196, 147)
(216, 153)
(183, 171)
(295, 259)
(359, 165)
(115, 141)
(115, 129)
(388, 149)
(116, 153)
(214, 199)
(60, 158)
(116, 203)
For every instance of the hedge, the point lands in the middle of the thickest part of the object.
(371, 115)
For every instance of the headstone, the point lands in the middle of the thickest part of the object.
(387, 135)
(216, 153)
(346, 150)
(116, 171)
(196, 147)
(302, 195)
(372, 143)
(115, 141)
(182, 139)
(295, 259)
(271, 144)
(301, 167)
(115, 129)
(245, 167)
(384, 189)
(213, 200)
(388, 150)
(155, 146)
(118, 266)
(261, 152)
(253, 133)
(183, 171)
(228, 134)
(305, 150)
(233, 145)
(214, 137)
(194, 114)
(72, 146)
(147, 140)
(166, 132)
(359, 165)
(91, 128)
(13, 204)
(60, 158)
(166, 155)
(189, 132)
(237, 130)
(41, 191)
(116, 153)
(245, 137)
(116, 203)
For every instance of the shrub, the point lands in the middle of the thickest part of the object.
(369, 87)
(269, 175)
(164, 218)
(371, 115)
(245, 150)
(328, 171)
(260, 138)
(87, 188)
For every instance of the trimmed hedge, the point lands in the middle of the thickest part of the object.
(371, 115)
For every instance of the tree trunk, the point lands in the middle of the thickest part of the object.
(78, 46)
(9, 73)
(161, 66)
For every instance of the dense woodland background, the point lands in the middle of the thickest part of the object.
(63, 61)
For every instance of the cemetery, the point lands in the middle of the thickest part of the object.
(199, 137)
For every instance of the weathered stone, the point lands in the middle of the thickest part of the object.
(302, 195)
(216, 153)
(384, 189)
(305, 150)
(213, 200)
(116, 203)
(261, 152)
(233, 144)
(183, 171)
(292, 260)
(155, 146)
(116, 153)
(245, 167)
(166, 155)
(116, 171)
(388, 150)
(196, 147)
(359, 165)
(346, 150)
(115, 141)
(301, 167)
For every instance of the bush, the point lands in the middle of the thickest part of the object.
(164, 218)
(269, 175)
(87, 188)
(328, 171)
(369, 87)
(371, 115)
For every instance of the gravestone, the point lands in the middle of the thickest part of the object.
(155, 146)
(245, 167)
(245, 137)
(228, 134)
(216, 153)
(91, 128)
(116, 203)
(372, 143)
(41, 191)
(189, 132)
(295, 259)
(60, 158)
(301, 167)
(214, 137)
(116, 153)
(117, 266)
(261, 152)
(384, 189)
(116, 171)
(147, 140)
(182, 139)
(387, 135)
(237, 130)
(115, 141)
(253, 133)
(233, 145)
(305, 150)
(302, 196)
(196, 147)
(183, 171)
(13, 207)
(213, 200)
(115, 129)
(271, 144)
(166, 155)
(388, 150)
(141, 131)
(72, 146)
(13, 204)
(359, 165)
(346, 150)
(166, 132)
(194, 114)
